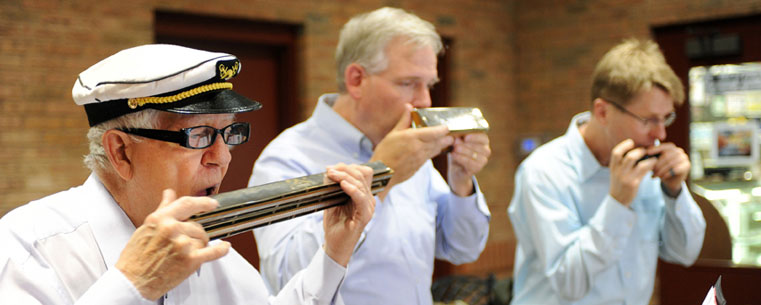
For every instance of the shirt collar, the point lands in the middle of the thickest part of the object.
(587, 165)
(111, 226)
(344, 133)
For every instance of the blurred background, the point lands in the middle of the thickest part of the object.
(525, 64)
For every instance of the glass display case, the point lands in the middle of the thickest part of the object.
(725, 109)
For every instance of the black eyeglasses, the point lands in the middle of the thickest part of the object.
(197, 137)
(667, 121)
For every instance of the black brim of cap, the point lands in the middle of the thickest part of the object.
(219, 101)
(223, 101)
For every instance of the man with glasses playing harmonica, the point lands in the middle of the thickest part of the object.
(162, 122)
(595, 208)
(386, 65)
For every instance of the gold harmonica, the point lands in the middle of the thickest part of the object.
(245, 209)
(460, 120)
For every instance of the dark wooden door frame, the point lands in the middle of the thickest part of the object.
(256, 40)
(279, 35)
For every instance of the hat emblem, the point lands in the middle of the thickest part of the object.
(228, 71)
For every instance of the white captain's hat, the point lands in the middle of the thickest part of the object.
(160, 76)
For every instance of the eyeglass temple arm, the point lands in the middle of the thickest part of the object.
(156, 134)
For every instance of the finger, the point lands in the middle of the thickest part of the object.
(345, 176)
(663, 147)
(673, 158)
(405, 120)
(472, 149)
(631, 158)
(464, 158)
(431, 134)
(354, 171)
(665, 162)
(185, 244)
(620, 150)
(642, 167)
(167, 196)
(362, 173)
(367, 173)
(194, 230)
(675, 165)
(476, 138)
(361, 199)
(359, 172)
(181, 209)
(211, 252)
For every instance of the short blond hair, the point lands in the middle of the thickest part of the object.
(632, 67)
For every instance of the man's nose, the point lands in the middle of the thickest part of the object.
(218, 153)
(658, 131)
(422, 97)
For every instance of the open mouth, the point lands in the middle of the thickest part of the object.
(208, 191)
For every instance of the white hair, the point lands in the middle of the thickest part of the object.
(96, 160)
(364, 38)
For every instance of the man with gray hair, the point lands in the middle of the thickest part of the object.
(386, 66)
(162, 123)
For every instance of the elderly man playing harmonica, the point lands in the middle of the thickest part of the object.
(162, 122)
(386, 66)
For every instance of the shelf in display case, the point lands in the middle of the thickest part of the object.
(739, 203)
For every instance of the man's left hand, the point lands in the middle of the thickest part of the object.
(672, 167)
(343, 225)
(469, 155)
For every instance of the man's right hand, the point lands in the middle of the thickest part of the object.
(167, 248)
(625, 172)
(405, 150)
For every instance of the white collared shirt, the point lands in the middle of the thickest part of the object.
(61, 249)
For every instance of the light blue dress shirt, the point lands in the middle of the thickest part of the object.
(419, 218)
(578, 245)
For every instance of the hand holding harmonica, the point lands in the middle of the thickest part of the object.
(470, 151)
(245, 209)
(406, 149)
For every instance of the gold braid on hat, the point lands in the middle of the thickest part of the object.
(140, 101)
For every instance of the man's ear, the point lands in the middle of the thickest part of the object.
(354, 75)
(600, 110)
(116, 145)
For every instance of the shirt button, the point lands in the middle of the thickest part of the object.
(628, 275)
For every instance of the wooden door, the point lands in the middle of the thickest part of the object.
(266, 51)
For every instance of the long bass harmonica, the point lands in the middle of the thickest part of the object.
(245, 209)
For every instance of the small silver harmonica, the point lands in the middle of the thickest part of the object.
(460, 120)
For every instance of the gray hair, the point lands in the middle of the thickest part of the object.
(364, 38)
(96, 160)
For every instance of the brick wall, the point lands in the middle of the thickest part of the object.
(45, 43)
(558, 44)
(525, 63)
